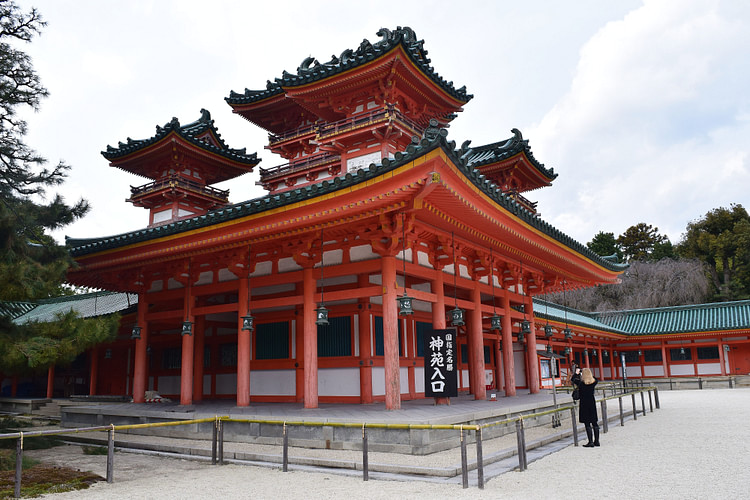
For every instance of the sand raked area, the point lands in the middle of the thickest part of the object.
(696, 446)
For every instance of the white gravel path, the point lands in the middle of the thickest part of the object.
(696, 446)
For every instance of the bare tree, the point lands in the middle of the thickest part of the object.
(645, 284)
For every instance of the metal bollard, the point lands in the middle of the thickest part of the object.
(215, 441)
(221, 443)
(622, 416)
(480, 459)
(575, 427)
(700, 383)
(365, 458)
(285, 449)
(464, 465)
(643, 403)
(111, 454)
(635, 409)
(730, 382)
(605, 425)
(519, 441)
(19, 466)
(656, 397)
(650, 401)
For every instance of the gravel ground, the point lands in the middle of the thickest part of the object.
(696, 446)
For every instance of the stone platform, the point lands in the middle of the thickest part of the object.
(463, 410)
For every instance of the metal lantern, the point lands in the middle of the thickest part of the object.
(248, 323)
(520, 336)
(321, 315)
(568, 333)
(549, 349)
(726, 347)
(640, 353)
(547, 331)
(405, 305)
(525, 327)
(682, 351)
(605, 353)
(567, 351)
(187, 328)
(496, 322)
(586, 352)
(593, 352)
(456, 316)
(108, 354)
(615, 353)
(136, 332)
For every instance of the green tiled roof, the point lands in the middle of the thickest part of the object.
(555, 312)
(86, 305)
(189, 133)
(498, 151)
(15, 309)
(434, 138)
(311, 70)
(681, 319)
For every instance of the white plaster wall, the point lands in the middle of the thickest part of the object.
(653, 371)
(169, 384)
(362, 252)
(634, 371)
(419, 379)
(288, 264)
(226, 383)
(519, 364)
(338, 382)
(378, 381)
(709, 369)
(404, 379)
(464, 382)
(273, 382)
(682, 370)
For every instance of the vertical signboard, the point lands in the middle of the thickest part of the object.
(440, 375)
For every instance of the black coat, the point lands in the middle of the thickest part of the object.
(587, 410)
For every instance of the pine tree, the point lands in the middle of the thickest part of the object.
(32, 264)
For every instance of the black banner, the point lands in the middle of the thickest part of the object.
(440, 360)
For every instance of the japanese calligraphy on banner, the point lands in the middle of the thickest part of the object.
(440, 375)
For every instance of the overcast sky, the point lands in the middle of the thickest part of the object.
(641, 107)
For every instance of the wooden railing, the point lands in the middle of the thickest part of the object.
(178, 181)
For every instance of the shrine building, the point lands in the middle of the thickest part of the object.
(375, 230)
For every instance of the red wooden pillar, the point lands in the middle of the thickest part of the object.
(14, 386)
(664, 363)
(600, 355)
(188, 343)
(508, 362)
(299, 363)
(438, 318)
(50, 381)
(586, 354)
(476, 345)
(140, 370)
(243, 347)
(365, 346)
(199, 331)
(93, 370)
(311, 339)
(531, 356)
(390, 334)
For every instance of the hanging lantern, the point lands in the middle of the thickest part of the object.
(547, 331)
(248, 323)
(615, 353)
(640, 353)
(456, 316)
(726, 347)
(549, 349)
(108, 354)
(525, 327)
(586, 352)
(520, 337)
(682, 351)
(187, 328)
(567, 351)
(321, 315)
(405, 305)
(593, 352)
(496, 322)
(605, 353)
(136, 332)
(568, 333)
